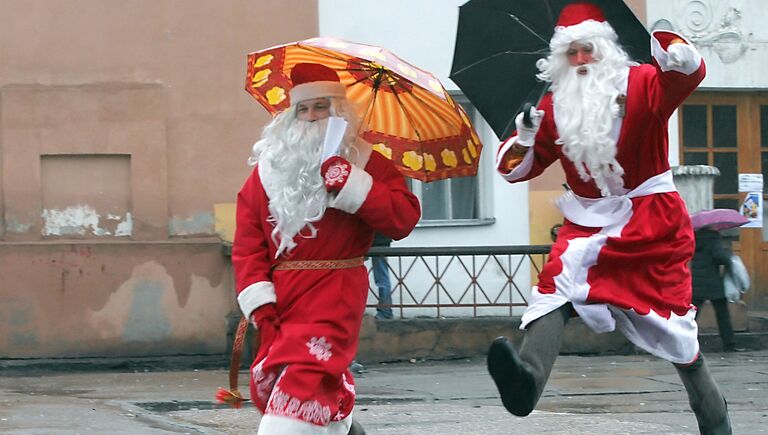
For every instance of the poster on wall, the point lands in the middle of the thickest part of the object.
(752, 206)
(752, 209)
(750, 182)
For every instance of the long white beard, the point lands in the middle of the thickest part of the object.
(585, 110)
(288, 156)
(289, 163)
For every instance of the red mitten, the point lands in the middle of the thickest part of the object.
(267, 325)
(335, 171)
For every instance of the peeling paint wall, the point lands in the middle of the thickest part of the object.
(113, 151)
(129, 122)
(83, 220)
(198, 223)
(84, 299)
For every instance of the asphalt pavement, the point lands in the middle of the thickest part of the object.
(636, 394)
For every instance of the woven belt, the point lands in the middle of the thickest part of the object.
(346, 263)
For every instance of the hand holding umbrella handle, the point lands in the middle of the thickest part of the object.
(335, 172)
(527, 115)
(528, 122)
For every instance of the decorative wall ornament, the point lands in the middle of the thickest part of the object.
(710, 27)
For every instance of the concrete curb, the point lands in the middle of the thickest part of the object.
(386, 341)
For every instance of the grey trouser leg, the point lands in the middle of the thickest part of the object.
(541, 345)
(356, 428)
(705, 398)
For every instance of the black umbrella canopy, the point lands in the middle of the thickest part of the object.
(499, 41)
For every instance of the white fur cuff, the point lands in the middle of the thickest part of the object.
(256, 295)
(520, 170)
(689, 55)
(505, 146)
(354, 192)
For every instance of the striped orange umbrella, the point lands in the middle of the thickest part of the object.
(409, 117)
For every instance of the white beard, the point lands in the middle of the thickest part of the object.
(290, 173)
(585, 110)
(288, 156)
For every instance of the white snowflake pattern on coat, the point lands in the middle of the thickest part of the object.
(311, 411)
(320, 348)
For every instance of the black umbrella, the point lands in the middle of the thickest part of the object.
(499, 41)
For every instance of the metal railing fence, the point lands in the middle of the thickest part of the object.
(466, 281)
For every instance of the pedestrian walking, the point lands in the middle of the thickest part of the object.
(709, 260)
(380, 268)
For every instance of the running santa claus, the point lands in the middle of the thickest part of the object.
(621, 257)
(303, 228)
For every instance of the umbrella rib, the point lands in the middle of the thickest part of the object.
(431, 109)
(360, 80)
(369, 110)
(329, 54)
(528, 28)
(500, 53)
(407, 115)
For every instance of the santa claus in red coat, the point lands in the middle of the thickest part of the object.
(620, 258)
(303, 228)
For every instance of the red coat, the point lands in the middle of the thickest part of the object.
(320, 311)
(632, 273)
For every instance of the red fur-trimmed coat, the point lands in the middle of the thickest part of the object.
(304, 378)
(632, 273)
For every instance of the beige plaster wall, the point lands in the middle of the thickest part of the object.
(189, 54)
(100, 298)
(122, 124)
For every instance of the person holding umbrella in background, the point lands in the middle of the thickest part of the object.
(304, 226)
(707, 277)
(706, 272)
(620, 258)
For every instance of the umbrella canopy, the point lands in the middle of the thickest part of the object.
(499, 41)
(409, 117)
(718, 219)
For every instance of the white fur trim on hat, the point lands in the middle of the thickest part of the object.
(308, 91)
(584, 30)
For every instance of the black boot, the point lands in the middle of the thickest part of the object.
(521, 377)
(513, 379)
(356, 428)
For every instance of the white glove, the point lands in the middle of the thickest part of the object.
(681, 56)
(526, 136)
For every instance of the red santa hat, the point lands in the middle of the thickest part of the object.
(313, 80)
(580, 20)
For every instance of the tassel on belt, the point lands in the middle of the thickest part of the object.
(346, 263)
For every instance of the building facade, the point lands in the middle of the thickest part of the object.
(727, 115)
(124, 130)
(122, 125)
